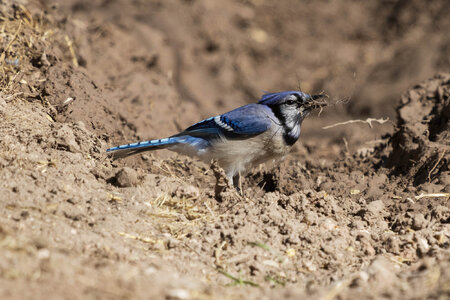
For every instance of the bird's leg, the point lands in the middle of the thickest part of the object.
(224, 182)
(237, 182)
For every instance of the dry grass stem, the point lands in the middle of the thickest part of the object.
(2, 57)
(435, 165)
(72, 51)
(367, 121)
(434, 195)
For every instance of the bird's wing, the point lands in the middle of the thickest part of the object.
(245, 121)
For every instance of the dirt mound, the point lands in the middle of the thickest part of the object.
(421, 144)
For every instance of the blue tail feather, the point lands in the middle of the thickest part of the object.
(151, 143)
(134, 148)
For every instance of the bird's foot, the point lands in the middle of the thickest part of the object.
(236, 182)
(225, 189)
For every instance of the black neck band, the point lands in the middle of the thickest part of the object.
(288, 137)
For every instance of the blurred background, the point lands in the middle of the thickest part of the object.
(171, 63)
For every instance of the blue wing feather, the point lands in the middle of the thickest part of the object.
(242, 122)
(205, 127)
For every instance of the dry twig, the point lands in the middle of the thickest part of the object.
(367, 121)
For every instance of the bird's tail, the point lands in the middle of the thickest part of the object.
(135, 148)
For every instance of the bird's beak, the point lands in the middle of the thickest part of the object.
(315, 103)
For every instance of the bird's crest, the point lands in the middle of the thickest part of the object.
(272, 98)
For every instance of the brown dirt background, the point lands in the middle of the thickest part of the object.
(347, 215)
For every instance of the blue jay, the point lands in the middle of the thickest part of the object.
(242, 138)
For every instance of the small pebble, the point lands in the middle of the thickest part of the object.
(375, 207)
(419, 221)
(127, 177)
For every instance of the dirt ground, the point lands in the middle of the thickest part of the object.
(354, 212)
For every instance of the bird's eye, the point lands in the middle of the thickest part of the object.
(290, 102)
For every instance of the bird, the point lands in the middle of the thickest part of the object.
(241, 138)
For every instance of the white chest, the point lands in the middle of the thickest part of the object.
(240, 155)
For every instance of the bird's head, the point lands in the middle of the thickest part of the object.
(291, 107)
